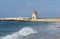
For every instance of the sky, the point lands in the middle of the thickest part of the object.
(24, 8)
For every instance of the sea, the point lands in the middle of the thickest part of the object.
(29, 30)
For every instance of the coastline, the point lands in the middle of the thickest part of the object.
(30, 19)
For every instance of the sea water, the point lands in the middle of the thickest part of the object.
(29, 30)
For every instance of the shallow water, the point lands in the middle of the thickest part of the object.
(29, 30)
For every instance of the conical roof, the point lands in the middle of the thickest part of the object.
(35, 12)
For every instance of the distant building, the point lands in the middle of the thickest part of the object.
(34, 14)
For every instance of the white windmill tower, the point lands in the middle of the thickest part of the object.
(34, 14)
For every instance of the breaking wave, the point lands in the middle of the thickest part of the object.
(20, 34)
(51, 31)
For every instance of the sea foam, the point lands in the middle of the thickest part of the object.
(18, 35)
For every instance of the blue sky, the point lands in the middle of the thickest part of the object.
(24, 8)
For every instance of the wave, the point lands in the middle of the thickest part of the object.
(20, 34)
(41, 32)
(51, 31)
